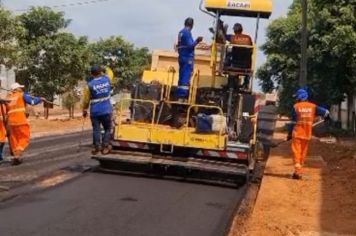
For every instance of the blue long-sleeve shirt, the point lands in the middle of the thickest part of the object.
(186, 43)
(31, 100)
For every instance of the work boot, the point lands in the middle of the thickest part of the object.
(16, 161)
(95, 150)
(17, 153)
(296, 176)
(106, 150)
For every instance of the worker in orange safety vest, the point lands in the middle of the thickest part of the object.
(239, 38)
(3, 136)
(303, 116)
(2, 130)
(19, 127)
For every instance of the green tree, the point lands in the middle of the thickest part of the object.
(54, 65)
(333, 40)
(126, 61)
(42, 21)
(281, 71)
(10, 31)
(331, 52)
(69, 101)
(52, 62)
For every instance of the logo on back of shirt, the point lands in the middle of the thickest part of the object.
(101, 88)
(305, 110)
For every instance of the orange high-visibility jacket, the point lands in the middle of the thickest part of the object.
(16, 108)
(303, 115)
(241, 39)
(2, 127)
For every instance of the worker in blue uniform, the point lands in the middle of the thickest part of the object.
(97, 95)
(186, 46)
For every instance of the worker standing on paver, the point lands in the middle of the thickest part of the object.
(19, 127)
(186, 46)
(303, 116)
(97, 95)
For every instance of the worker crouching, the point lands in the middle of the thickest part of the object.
(303, 116)
(19, 128)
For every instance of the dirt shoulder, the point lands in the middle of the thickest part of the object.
(57, 125)
(323, 203)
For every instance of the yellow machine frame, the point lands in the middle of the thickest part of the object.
(186, 136)
(250, 8)
(166, 135)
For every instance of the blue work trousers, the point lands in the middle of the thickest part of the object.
(186, 66)
(106, 123)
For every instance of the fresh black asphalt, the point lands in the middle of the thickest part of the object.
(102, 204)
(98, 204)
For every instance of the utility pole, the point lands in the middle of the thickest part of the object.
(304, 44)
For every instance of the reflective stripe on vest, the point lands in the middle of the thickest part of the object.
(99, 99)
(17, 110)
(184, 87)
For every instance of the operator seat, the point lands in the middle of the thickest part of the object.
(238, 59)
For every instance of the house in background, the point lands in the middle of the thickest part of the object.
(345, 113)
(7, 77)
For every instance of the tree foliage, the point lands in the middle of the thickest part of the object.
(55, 64)
(69, 100)
(10, 31)
(331, 52)
(122, 57)
(42, 21)
(52, 62)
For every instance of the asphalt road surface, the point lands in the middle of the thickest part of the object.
(101, 204)
(44, 156)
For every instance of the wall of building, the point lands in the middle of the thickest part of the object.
(348, 114)
(162, 60)
(7, 77)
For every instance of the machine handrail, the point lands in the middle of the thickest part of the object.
(201, 106)
(154, 103)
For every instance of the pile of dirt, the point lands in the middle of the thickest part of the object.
(323, 203)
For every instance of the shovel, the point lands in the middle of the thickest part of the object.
(274, 145)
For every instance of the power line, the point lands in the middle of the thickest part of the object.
(73, 4)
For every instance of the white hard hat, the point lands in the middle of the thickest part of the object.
(16, 86)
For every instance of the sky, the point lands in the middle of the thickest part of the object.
(153, 24)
